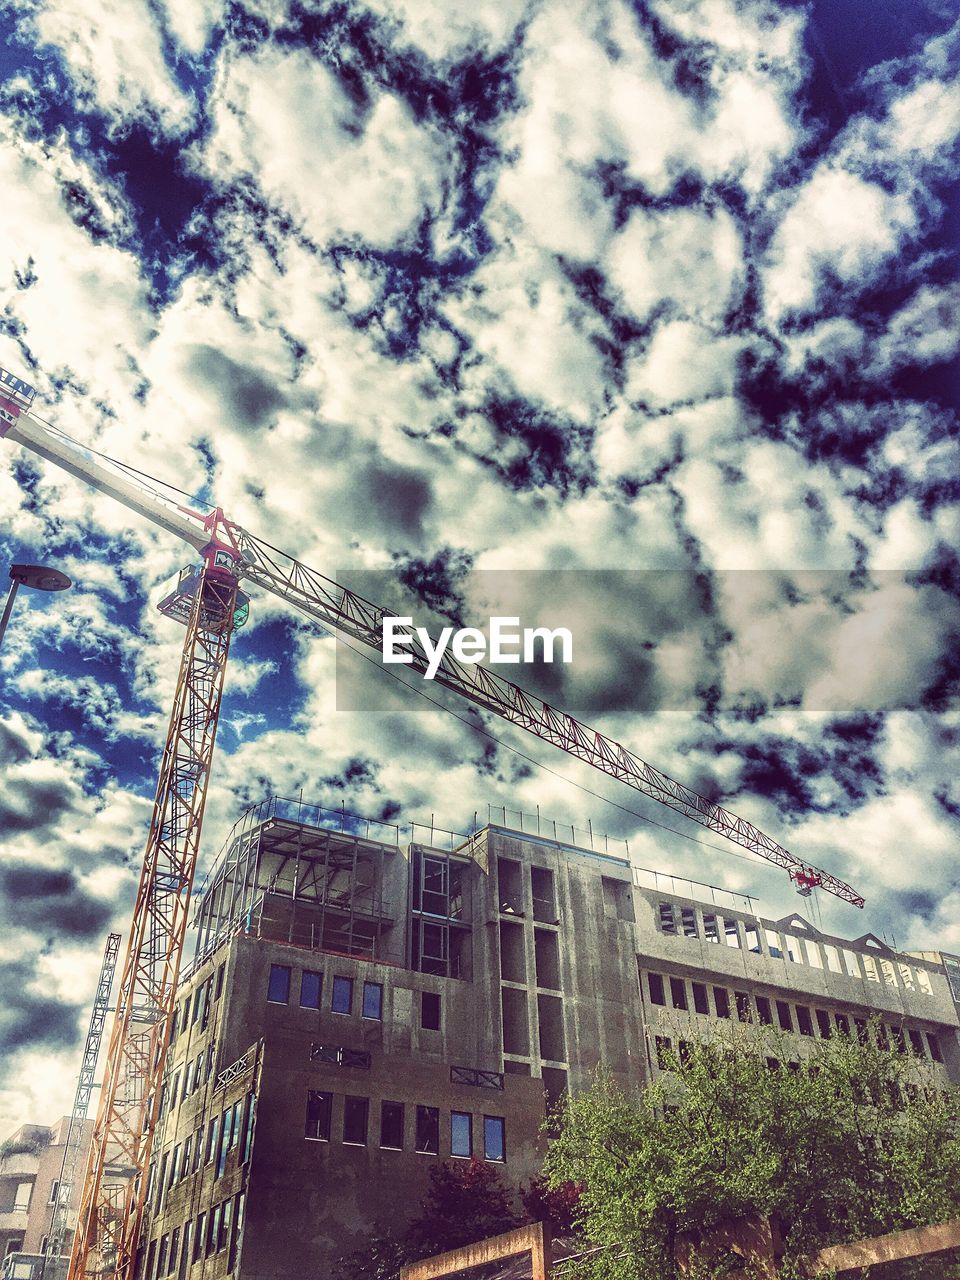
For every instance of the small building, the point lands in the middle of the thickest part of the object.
(359, 1009)
(31, 1160)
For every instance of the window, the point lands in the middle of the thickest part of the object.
(226, 1135)
(752, 935)
(342, 1001)
(311, 984)
(916, 1043)
(461, 1133)
(700, 1001)
(198, 1238)
(184, 1251)
(744, 1011)
(52, 1199)
(843, 1023)
(688, 921)
(237, 1229)
(494, 1138)
(861, 1026)
(174, 1094)
(731, 932)
(793, 949)
(936, 1053)
(678, 993)
(899, 1040)
(813, 953)
(218, 990)
(391, 1125)
(429, 1011)
(226, 1217)
(372, 1000)
(278, 989)
(663, 1045)
(21, 1199)
(212, 1132)
(667, 922)
(174, 1165)
(246, 1145)
(655, 985)
(185, 1161)
(151, 1257)
(710, 931)
(197, 1149)
(773, 944)
(833, 958)
(213, 1228)
(541, 885)
(783, 1015)
(162, 1255)
(763, 1011)
(355, 1112)
(198, 1072)
(804, 1021)
(317, 1124)
(162, 1183)
(174, 1250)
(823, 1022)
(721, 999)
(235, 1122)
(428, 1130)
(883, 1040)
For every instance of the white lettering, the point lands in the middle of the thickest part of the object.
(433, 651)
(531, 634)
(392, 638)
(499, 637)
(469, 645)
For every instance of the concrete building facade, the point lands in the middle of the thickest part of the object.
(358, 1011)
(31, 1160)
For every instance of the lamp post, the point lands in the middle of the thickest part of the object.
(38, 576)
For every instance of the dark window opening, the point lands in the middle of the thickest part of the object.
(342, 998)
(428, 1130)
(430, 1010)
(783, 1015)
(544, 903)
(655, 985)
(667, 922)
(494, 1139)
(804, 1021)
(678, 993)
(688, 921)
(701, 1001)
(311, 985)
(319, 1108)
(823, 1022)
(764, 1012)
(663, 1046)
(744, 1011)
(936, 1053)
(355, 1111)
(391, 1125)
(278, 989)
(721, 998)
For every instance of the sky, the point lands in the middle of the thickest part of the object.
(641, 313)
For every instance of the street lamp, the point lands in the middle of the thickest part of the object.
(38, 576)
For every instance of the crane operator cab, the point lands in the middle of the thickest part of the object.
(221, 572)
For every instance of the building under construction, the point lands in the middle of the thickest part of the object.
(361, 1007)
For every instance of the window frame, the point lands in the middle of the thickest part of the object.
(456, 1116)
(276, 970)
(501, 1122)
(337, 986)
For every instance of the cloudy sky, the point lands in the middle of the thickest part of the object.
(488, 297)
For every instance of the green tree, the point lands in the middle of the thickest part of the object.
(855, 1140)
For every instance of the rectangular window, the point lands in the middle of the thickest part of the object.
(429, 1011)
(342, 1001)
(317, 1124)
(198, 1238)
(731, 932)
(213, 1228)
(218, 991)
(246, 1144)
(667, 922)
(198, 1149)
(916, 1043)
(226, 1217)
(52, 1198)
(184, 1252)
(933, 1040)
(212, 1132)
(235, 1122)
(655, 987)
(899, 1040)
(923, 982)
(278, 988)
(889, 973)
(883, 1040)
(710, 931)
(700, 1001)
(391, 1125)
(355, 1111)
(311, 985)
(663, 1045)
(870, 969)
(494, 1139)
(763, 1011)
(162, 1181)
(198, 1072)
(174, 1165)
(372, 1000)
(793, 949)
(862, 1035)
(744, 1011)
(804, 1021)
(185, 1162)
(906, 975)
(752, 935)
(428, 1130)
(226, 1134)
(174, 1094)
(843, 1023)
(162, 1255)
(237, 1230)
(174, 1250)
(461, 1134)
(783, 1015)
(688, 922)
(851, 964)
(773, 944)
(812, 950)
(721, 999)
(833, 958)
(678, 993)
(823, 1022)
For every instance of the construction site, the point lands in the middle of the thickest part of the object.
(345, 1002)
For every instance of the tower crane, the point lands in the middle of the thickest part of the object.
(208, 600)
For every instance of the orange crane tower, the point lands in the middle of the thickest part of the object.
(208, 600)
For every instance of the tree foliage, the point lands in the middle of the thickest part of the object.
(853, 1141)
(465, 1202)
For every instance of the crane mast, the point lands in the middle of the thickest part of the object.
(70, 1168)
(207, 598)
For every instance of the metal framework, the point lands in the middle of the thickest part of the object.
(336, 606)
(81, 1105)
(112, 1201)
